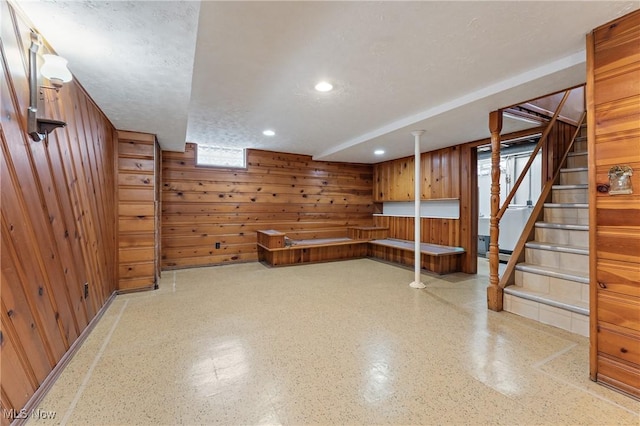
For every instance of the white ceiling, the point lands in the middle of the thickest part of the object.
(220, 73)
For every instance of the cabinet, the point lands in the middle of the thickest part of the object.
(613, 106)
(138, 211)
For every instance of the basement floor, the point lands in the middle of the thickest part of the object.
(335, 343)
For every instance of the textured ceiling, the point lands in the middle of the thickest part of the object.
(135, 58)
(221, 72)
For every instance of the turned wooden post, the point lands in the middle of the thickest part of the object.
(494, 291)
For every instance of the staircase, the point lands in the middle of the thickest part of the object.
(552, 285)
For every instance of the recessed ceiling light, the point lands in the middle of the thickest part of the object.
(269, 133)
(378, 151)
(324, 86)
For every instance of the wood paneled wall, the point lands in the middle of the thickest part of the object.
(285, 192)
(613, 102)
(445, 173)
(58, 222)
(435, 231)
(554, 147)
(439, 172)
(138, 197)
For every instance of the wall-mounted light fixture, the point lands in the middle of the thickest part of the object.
(55, 70)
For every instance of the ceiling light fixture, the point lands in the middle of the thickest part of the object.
(269, 133)
(324, 86)
(378, 151)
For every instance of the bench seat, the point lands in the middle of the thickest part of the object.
(312, 251)
(276, 249)
(434, 257)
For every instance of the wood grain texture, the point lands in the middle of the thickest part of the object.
(288, 192)
(468, 226)
(445, 232)
(438, 264)
(138, 171)
(494, 291)
(296, 255)
(440, 175)
(613, 102)
(58, 222)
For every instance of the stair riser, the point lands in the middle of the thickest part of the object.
(577, 161)
(556, 259)
(558, 287)
(563, 236)
(570, 196)
(580, 146)
(556, 317)
(574, 178)
(566, 215)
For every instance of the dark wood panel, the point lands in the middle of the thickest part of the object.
(468, 226)
(58, 221)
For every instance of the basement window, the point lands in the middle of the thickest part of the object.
(218, 156)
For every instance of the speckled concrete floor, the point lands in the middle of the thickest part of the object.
(335, 343)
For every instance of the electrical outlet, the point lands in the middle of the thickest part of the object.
(218, 245)
(86, 290)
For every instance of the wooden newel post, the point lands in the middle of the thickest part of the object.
(494, 291)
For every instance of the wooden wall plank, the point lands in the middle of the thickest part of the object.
(58, 221)
(287, 192)
(613, 101)
(138, 215)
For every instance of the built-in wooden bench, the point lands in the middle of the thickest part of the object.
(277, 249)
(434, 257)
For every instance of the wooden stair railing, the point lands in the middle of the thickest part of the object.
(528, 233)
(497, 284)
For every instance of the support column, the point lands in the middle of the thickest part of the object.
(417, 196)
(494, 291)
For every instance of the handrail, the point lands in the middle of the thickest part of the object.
(518, 251)
(524, 171)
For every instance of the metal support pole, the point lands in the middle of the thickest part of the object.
(417, 195)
